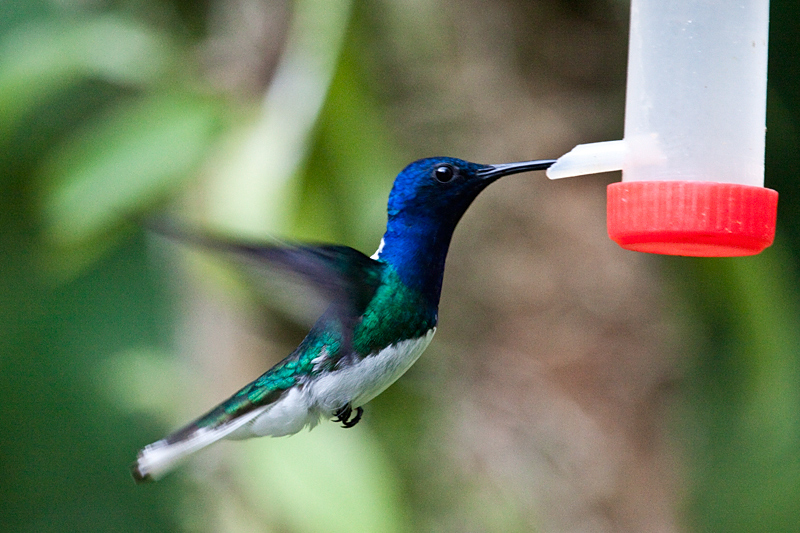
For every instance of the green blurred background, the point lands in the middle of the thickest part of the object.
(573, 386)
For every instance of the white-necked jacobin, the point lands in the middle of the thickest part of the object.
(383, 314)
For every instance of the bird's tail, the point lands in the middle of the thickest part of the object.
(158, 458)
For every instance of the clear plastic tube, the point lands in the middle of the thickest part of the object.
(692, 159)
(697, 89)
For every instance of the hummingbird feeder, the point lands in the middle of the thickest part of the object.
(692, 157)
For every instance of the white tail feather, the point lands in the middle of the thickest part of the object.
(155, 460)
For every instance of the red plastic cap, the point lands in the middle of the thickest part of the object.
(694, 218)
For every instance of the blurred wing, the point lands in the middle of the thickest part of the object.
(344, 277)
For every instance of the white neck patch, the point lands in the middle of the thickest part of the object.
(377, 254)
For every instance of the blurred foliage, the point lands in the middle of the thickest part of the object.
(108, 112)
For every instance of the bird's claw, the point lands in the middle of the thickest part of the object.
(343, 416)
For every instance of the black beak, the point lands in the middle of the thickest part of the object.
(492, 172)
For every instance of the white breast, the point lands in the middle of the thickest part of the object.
(361, 382)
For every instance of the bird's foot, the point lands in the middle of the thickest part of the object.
(343, 416)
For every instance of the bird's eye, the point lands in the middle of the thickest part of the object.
(443, 173)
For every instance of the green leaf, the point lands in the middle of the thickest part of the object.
(41, 58)
(123, 162)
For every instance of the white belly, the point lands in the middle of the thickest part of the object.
(361, 382)
(354, 385)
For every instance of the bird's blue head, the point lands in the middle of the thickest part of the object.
(427, 200)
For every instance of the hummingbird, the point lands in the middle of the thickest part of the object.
(382, 313)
